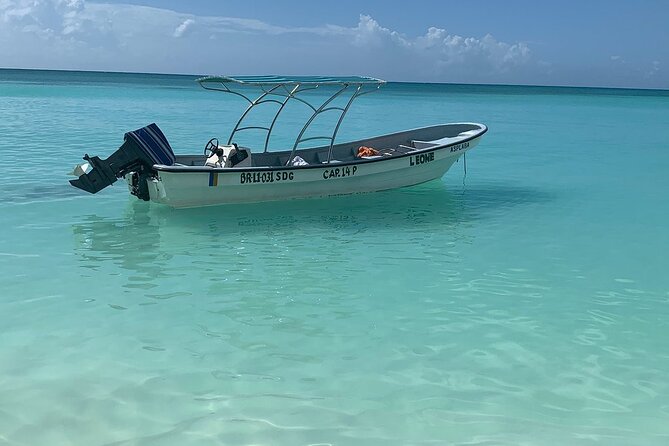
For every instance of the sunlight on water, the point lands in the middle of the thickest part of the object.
(526, 303)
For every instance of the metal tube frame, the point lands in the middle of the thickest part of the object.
(288, 95)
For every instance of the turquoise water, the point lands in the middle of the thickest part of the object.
(524, 303)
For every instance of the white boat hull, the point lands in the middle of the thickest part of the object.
(181, 189)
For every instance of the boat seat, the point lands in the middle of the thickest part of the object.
(406, 149)
(442, 141)
(322, 158)
(234, 155)
(309, 157)
(400, 150)
(425, 144)
(468, 133)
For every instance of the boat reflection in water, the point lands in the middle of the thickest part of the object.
(155, 244)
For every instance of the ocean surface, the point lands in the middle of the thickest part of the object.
(524, 303)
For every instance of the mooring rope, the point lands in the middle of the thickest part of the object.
(464, 162)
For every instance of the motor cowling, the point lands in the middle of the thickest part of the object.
(141, 150)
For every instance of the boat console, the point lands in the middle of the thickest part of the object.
(227, 155)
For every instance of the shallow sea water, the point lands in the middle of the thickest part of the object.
(524, 303)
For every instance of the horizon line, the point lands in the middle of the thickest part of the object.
(149, 73)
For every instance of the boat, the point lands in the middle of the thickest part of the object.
(236, 173)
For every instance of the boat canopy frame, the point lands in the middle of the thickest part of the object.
(279, 90)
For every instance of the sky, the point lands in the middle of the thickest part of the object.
(614, 43)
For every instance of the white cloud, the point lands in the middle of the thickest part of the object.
(47, 16)
(79, 35)
(440, 55)
(369, 33)
(181, 29)
(654, 69)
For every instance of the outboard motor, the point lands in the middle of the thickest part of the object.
(141, 149)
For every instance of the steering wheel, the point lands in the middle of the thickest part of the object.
(211, 145)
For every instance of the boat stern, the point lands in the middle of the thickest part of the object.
(140, 151)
